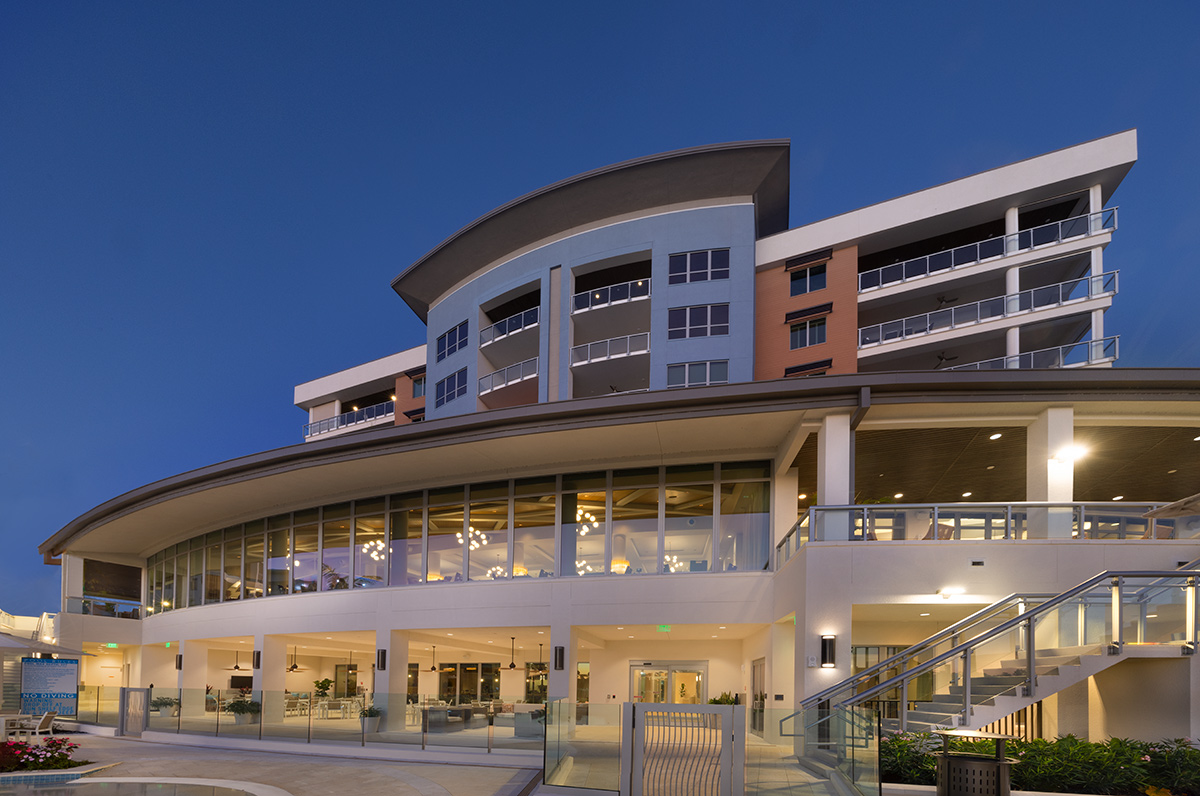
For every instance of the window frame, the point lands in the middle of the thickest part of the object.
(691, 328)
(452, 341)
(444, 388)
(687, 368)
(808, 325)
(697, 266)
(805, 276)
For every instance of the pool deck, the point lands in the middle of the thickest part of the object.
(298, 774)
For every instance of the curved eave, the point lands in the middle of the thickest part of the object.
(737, 419)
(745, 168)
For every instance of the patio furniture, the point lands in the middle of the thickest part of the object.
(43, 726)
(13, 721)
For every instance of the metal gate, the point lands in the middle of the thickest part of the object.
(685, 750)
(131, 713)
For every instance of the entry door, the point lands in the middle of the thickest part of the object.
(650, 684)
(758, 695)
(669, 682)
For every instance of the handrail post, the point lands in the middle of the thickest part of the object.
(1118, 627)
(966, 714)
(1009, 531)
(904, 706)
(1030, 658)
(424, 725)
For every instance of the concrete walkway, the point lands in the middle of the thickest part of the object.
(298, 774)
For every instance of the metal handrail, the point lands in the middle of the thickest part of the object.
(610, 294)
(352, 418)
(510, 325)
(988, 309)
(610, 348)
(1054, 357)
(1026, 617)
(990, 248)
(510, 375)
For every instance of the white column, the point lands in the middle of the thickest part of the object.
(194, 677)
(834, 476)
(269, 677)
(391, 683)
(1048, 475)
(561, 683)
(1012, 224)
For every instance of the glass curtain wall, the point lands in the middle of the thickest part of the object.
(533, 527)
(445, 528)
(487, 531)
(635, 523)
(404, 551)
(370, 544)
(335, 547)
(584, 521)
(253, 582)
(688, 518)
(232, 583)
(745, 518)
(305, 563)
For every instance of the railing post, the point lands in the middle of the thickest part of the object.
(966, 714)
(903, 705)
(1189, 600)
(1009, 531)
(424, 725)
(1118, 627)
(1030, 658)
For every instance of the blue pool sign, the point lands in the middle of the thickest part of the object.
(49, 684)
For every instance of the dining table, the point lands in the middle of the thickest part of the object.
(13, 722)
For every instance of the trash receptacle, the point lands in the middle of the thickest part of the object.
(966, 774)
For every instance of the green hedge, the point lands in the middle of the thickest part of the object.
(1065, 765)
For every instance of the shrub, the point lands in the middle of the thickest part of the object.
(725, 698)
(52, 753)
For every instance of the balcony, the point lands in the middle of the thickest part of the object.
(610, 295)
(509, 326)
(613, 348)
(96, 606)
(1083, 354)
(510, 375)
(1083, 226)
(370, 416)
(978, 312)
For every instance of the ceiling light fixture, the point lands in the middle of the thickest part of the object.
(512, 653)
(967, 494)
(802, 496)
(433, 668)
(1119, 497)
(1070, 453)
(924, 614)
(996, 436)
(898, 495)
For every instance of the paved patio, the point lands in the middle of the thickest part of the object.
(298, 774)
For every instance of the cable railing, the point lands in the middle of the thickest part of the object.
(510, 325)
(610, 294)
(972, 253)
(1072, 355)
(353, 418)
(1101, 615)
(990, 309)
(612, 348)
(510, 375)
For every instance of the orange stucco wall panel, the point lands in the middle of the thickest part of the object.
(404, 400)
(773, 301)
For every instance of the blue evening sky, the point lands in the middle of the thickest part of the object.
(202, 204)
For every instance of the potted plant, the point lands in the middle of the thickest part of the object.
(321, 688)
(370, 716)
(245, 711)
(165, 705)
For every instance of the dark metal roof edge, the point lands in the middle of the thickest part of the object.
(813, 392)
(783, 143)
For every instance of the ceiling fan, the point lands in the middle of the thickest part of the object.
(943, 359)
(237, 661)
(294, 667)
(943, 300)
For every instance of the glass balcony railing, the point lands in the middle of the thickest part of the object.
(1074, 355)
(510, 325)
(1037, 298)
(510, 375)
(611, 294)
(610, 349)
(972, 253)
(100, 606)
(376, 412)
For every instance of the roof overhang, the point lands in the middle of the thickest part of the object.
(727, 422)
(758, 169)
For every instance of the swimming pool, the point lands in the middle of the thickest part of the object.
(86, 787)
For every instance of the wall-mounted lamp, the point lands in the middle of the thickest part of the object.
(1069, 454)
(949, 591)
(179, 662)
(381, 660)
(560, 655)
(828, 652)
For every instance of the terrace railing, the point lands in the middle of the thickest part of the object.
(510, 325)
(101, 606)
(1072, 355)
(972, 253)
(1037, 298)
(510, 375)
(353, 418)
(612, 348)
(610, 294)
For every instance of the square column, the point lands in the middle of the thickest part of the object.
(1050, 472)
(391, 682)
(270, 676)
(835, 475)
(193, 678)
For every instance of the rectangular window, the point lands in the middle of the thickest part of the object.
(705, 320)
(808, 333)
(451, 387)
(806, 280)
(698, 266)
(451, 341)
(418, 387)
(698, 374)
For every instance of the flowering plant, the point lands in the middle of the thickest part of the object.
(52, 753)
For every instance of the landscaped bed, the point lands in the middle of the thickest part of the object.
(1065, 765)
(52, 753)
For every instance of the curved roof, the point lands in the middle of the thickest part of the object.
(729, 421)
(743, 168)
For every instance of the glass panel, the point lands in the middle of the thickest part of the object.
(305, 572)
(536, 682)
(635, 525)
(583, 526)
(487, 539)
(212, 574)
(583, 745)
(739, 470)
(335, 552)
(533, 535)
(689, 527)
(278, 562)
(370, 552)
(252, 585)
(168, 592)
(196, 578)
(745, 526)
(445, 543)
(232, 585)
(405, 548)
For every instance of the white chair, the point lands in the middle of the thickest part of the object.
(43, 726)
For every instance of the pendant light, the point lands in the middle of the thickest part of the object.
(433, 668)
(237, 657)
(539, 655)
(512, 653)
(293, 667)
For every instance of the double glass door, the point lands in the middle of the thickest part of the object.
(669, 682)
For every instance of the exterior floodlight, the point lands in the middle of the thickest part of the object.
(828, 651)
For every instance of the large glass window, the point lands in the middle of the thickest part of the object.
(279, 559)
(698, 266)
(232, 585)
(305, 563)
(806, 280)
(745, 530)
(808, 333)
(370, 544)
(335, 548)
(583, 524)
(698, 374)
(635, 523)
(688, 518)
(253, 584)
(451, 341)
(405, 548)
(487, 532)
(705, 320)
(168, 590)
(196, 577)
(445, 535)
(533, 528)
(212, 570)
(451, 387)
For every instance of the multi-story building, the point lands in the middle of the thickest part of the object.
(616, 464)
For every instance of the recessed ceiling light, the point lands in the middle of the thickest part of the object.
(1118, 497)
(620, 628)
(1195, 439)
(1171, 471)
(991, 467)
(631, 636)
(329, 638)
(802, 496)
(898, 495)
(541, 632)
(721, 627)
(967, 494)
(449, 634)
(490, 642)
(924, 614)
(1151, 616)
(996, 436)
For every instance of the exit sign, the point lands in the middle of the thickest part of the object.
(664, 628)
